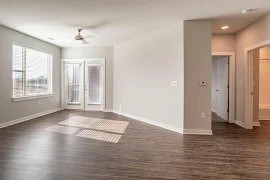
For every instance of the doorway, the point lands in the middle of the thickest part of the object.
(220, 88)
(223, 87)
(259, 86)
(84, 84)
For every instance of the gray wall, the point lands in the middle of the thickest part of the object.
(224, 43)
(143, 70)
(10, 110)
(255, 33)
(198, 67)
(95, 52)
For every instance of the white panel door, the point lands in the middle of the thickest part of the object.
(94, 87)
(222, 88)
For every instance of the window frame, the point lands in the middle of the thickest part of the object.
(49, 71)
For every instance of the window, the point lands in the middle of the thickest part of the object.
(94, 93)
(73, 81)
(31, 72)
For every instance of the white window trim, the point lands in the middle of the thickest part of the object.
(36, 96)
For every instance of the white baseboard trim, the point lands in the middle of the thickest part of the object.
(264, 113)
(9, 123)
(239, 123)
(264, 106)
(197, 131)
(262, 118)
(162, 125)
(108, 110)
(165, 126)
(256, 124)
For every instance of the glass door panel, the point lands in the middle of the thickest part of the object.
(93, 87)
(74, 92)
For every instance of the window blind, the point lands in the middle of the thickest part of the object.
(73, 72)
(94, 93)
(31, 72)
(18, 71)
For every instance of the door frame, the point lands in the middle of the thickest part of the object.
(248, 85)
(82, 61)
(94, 62)
(232, 78)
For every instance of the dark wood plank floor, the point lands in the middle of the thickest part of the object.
(216, 118)
(145, 152)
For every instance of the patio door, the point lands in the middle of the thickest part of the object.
(84, 86)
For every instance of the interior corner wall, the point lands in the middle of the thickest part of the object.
(143, 70)
(10, 110)
(198, 67)
(265, 53)
(95, 52)
(223, 43)
(253, 34)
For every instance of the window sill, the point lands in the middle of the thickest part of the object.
(25, 98)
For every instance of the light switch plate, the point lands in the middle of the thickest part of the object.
(203, 115)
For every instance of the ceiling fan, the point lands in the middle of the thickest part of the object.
(78, 38)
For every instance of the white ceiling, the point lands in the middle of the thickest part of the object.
(113, 21)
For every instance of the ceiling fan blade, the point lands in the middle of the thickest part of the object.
(86, 42)
(62, 38)
(88, 37)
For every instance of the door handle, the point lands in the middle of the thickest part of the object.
(251, 93)
(217, 90)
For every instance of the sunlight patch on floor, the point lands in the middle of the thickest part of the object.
(114, 129)
(96, 124)
(62, 129)
(98, 135)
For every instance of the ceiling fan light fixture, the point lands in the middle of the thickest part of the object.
(79, 41)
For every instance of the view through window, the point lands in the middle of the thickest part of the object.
(31, 72)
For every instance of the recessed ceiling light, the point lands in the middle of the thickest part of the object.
(246, 11)
(225, 27)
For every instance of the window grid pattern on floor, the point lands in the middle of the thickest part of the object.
(98, 135)
(62, 129)
(96, 123)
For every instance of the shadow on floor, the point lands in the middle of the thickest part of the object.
(216, 118)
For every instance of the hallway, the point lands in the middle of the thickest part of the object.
(216, 118)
